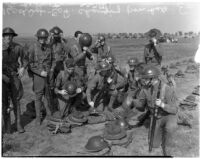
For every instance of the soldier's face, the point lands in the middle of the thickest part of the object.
(146, 81)
(7, 38)
(70, 70)
(42, 41)
(102, 43)
(132, 67)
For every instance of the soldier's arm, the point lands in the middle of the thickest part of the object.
(90, 86)
(34, 67)
(159, 49)
(75, 54)
(140, 102)
(94, 49)
(171, 103)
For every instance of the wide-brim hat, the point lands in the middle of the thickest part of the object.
(77, 118)
(114, 132)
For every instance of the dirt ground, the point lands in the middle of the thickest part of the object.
(39, 142)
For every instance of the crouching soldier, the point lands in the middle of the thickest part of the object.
(160, 99)
(40, 58)
(69, 88)
(103, 86)
(13, 56)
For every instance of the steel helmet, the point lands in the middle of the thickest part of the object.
(9, 31)
(70, 87)
(42, 33)
(96, 143)
(101, 38)
(122, 123)
(85, 40)
(133, 61)
(56, 31)
(150, 72)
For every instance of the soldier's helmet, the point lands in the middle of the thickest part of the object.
(101, 38)
(96, 143)
(42, 33)
(103, 66)
(85, 40)
(9, 31)
(150, 72)
(122, 123)
(133, 61)
(70, 87)
(56, 31)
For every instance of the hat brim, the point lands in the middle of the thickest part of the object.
(14, 34)
(102, 147)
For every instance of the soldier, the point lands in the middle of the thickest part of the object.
(104, 83)
(153, 52)
(14, 64)
(60, 51)
(69, 94)
(157, 94)
(40, 60)
(101, 48)
(79, 52)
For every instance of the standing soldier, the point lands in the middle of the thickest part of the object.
(14, 64)
(40, 59)
(103, 87)
(67, 92)
(160, 99)
(79, 52)
(153, 52)
(101, 48)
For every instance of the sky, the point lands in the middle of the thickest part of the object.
(26, 18)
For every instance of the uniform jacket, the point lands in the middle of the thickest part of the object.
(148, 95)
(153, 54)
(13, 58)
(40, 60)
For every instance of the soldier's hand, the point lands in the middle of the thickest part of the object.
(85, 48)
(21, 72)
(91, 104)
(78, 90)
(43, 74)
(109, 80)
(63, 92)
(159, 103)
(5, 79)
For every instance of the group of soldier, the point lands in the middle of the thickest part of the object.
(59, 71)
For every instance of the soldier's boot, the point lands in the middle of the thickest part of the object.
(17, 112)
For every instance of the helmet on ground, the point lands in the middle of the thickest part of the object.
(150, 72)
(56, 31)
(122, 123)
(103, 66)
(85, 40)
(133, 61)
(42, 33)
(101, 38)
(9, 31)
(70, 87)
(96, 143)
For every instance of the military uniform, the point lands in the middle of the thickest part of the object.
(13, 57)
(153, 54)
(76, 53)
(96, 84)
(166, 122)
(102, 51)
(64, 100)
(40, 59)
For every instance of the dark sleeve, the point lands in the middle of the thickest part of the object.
(33, 65)
(94, 49)
(159, 49)
(140, 102)
(58, 83)
(47, 63)
(74, 52)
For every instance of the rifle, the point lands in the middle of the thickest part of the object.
(153, 120)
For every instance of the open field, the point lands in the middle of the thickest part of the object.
(39, 142)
